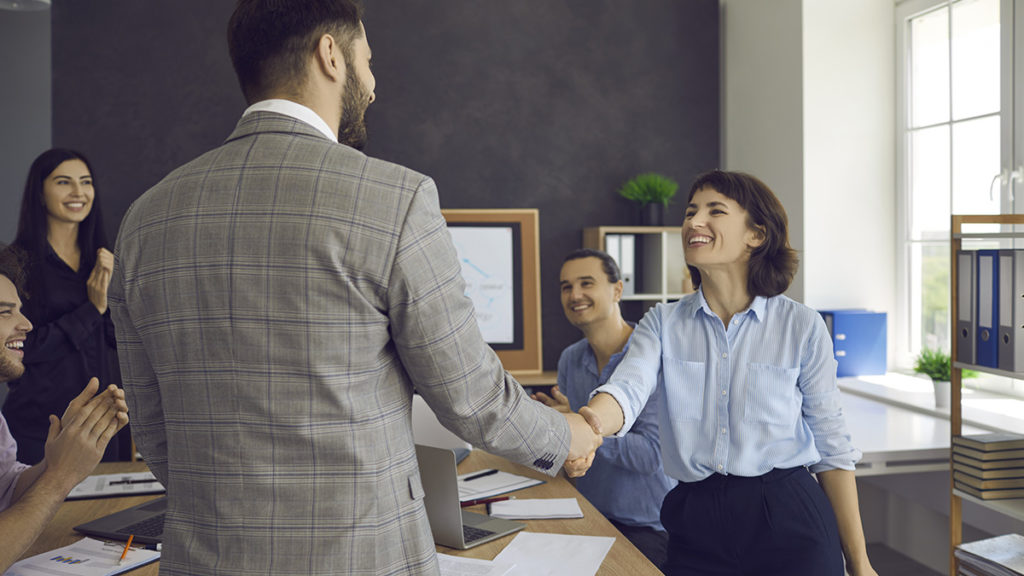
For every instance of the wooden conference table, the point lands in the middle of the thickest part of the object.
(622, 560)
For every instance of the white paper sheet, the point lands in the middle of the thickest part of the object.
(459, 566)
(87, 557)
(543, 508)
(540, 554)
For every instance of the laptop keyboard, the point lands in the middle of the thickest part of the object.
(471, 534)
(152, 527)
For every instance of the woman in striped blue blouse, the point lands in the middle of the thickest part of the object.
(749, 407)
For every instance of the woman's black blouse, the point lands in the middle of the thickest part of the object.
(70, 342)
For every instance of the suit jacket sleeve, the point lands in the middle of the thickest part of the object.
(142, 392)
(437, 337)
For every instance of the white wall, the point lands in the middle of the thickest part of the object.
(762, 118)
(25, 103)
(849, 161)
(808, 91)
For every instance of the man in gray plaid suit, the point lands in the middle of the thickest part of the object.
(276, 301)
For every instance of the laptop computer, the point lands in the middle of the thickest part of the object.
(451, 525)
(145, 521)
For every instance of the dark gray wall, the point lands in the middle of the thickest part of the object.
(527, 104)
(24, 109)
(24, 106)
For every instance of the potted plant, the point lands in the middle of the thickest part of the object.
(652, 192)
(937, 365)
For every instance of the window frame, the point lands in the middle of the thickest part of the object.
(908, 337)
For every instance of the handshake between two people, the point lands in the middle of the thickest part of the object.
(586, 428)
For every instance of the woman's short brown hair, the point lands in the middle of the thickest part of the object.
(773, 264)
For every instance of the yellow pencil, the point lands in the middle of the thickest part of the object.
(126, 546)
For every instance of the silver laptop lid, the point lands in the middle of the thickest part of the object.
(441, 498)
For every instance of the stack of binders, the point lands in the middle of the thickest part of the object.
(989, 466)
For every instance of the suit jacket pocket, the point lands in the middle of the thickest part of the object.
(415, 487)
(771, 394)
(684, 388)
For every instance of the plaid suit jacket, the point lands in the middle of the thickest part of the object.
(276, 301)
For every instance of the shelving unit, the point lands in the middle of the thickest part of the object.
(662, 276)
(1013, 508)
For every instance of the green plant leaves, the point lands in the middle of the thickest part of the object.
(649, 187)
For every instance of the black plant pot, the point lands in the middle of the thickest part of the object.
(652, 214)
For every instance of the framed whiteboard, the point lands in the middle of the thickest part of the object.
(499, 253)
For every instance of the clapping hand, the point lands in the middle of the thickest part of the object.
(556, 400)
(76, 441)
(99, 279)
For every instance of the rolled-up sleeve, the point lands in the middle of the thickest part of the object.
(822, 408)
(10, 468)
(636, 377)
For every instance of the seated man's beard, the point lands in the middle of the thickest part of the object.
(352, 127)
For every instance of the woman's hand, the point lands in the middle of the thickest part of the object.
(99, 279)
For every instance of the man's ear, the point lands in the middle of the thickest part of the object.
(329, 59)
(617, 291)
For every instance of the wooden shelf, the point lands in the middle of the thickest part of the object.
(1014, 507)
(988, 370)
(659, 258)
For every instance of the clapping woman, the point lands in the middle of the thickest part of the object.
(60, 229)
(749, 410)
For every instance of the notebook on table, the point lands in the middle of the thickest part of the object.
(451, 525)
(145, 521)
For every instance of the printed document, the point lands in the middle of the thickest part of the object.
(87, 557)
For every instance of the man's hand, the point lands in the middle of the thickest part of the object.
(583, 448)
(76, 442)
(557, 400)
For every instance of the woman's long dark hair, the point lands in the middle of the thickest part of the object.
(32, 226)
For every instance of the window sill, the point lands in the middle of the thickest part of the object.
(981, 409)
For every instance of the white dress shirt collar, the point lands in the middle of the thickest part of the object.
(293, 110)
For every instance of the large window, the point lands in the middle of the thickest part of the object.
(950, 138)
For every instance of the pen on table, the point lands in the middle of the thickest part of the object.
(480, 475)
(126, 546)
(486, 500)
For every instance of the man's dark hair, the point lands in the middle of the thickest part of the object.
(32, 221)
(773, 264)
(12, 266)
(611, 269)
(271, 40)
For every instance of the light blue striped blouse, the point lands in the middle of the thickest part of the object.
(742, 401)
